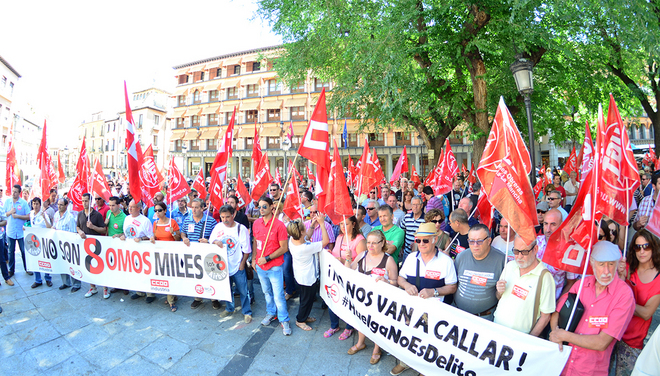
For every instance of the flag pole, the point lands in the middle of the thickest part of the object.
(625, 242)
(508, 236)
(346, 238)
(455, 236)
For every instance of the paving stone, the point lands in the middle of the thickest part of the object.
(52, 353)
(198, 362)
(136, 365)
(165, 351)
(75, 365)
(87, 337)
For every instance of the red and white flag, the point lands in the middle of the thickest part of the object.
(503, 174)
(256, 147)
(278, 177)
(464, 170)
(315, 145)
(150, 178)
(618, 177)
(292, 170)
(338, 205)
(435, 173)
(310, 176)
(99, 183)
(60, 169)
(134, 156)
(47, 178)
(262, 178)
(199, 184)
(448, 171)
(379, 175)
(414, 176)
(292, 205)
(571, 163)
(177, 185)
(219, 167)
(11, 178)
(484, 211)
(401, 166)
(242, 193)
(81, 182)
(586, 158)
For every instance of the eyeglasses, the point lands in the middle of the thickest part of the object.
(159, 210)
(370, 208)
(477, 241)
(540, 211)
(99, 199)
(436, 221)
(523, 252)
(639, 247)
(313, 212)
(274, 190)
(425, 241)
(553, 198)
(601, 237)
(264, 207)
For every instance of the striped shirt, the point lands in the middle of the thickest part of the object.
(64, 222)
(410, 225)
(193, 230)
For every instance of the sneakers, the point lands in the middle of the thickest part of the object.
(247, 319)
(91, 292)
(286, 328)
(106, 293)
(267, 320)
(398, 369)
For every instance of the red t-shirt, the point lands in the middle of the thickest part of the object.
(638, 327)
(561, 190)
(278, 233)
(162, 232)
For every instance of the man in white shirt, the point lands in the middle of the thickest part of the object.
(236, 238)
(138, 227)
(64, 220)
(397, 213)
(571, 187)
(504, 241)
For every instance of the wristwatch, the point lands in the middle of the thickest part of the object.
(267, 258)
(435, 293)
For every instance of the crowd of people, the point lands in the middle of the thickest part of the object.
(429, 245)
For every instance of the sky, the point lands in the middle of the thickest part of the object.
(74, 56)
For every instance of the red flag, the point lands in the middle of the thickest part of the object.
(401, 166)
(448, 171)
(11, 178)
(292, 205)
(278, 177)
(134, 156)
(262, 178)
(290, 134)
(47, 177)
(219, 167)
(292, 170)
(339, 200)
(571, 163)
(618, 177)
(60, 169)
(315, 145)
(150, 177)
(586, 158)
(472, 177)
(378, 173)
(538, 188)
(310, 176)
(364, 177)
(654, 221)
(414, 176)
(242, 193)
(81, 182)
(99, 183)
(484, 211)
(503, 174)
(177, 184)
(464, 170)
(435, 172)
(652, 157)
(199, 185)
(256, 147)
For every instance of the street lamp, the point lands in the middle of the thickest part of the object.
(286, 145)
(522, 73)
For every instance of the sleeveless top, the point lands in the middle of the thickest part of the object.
(377, 271)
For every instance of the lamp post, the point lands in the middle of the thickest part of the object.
(522, 73)
(286, 145)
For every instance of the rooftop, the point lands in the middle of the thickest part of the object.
(233, 54)
(3, 61)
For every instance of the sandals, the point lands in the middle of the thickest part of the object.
(345, 334)
(375, 358)
(354, 350)
(303, 326)
(173, 307)
(328, 333)
(310, 319)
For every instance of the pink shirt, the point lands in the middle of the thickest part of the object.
(610, 312)
(340, 244)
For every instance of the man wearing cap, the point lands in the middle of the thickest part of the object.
(517, 290)
(427, 273)
(541, 208)
(608, 307)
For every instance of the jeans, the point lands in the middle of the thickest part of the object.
(288, 274)
(3, 259)
(240, 279)
(70, 281)
(334, 320)
(12, 253)
(272, 286)
(37, 277)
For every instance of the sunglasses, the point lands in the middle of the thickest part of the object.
(639, 247)
(477, 241)
(523, 252)
(264, 207)
(274, 190)
(99, 199)
(436, 221)
(601, 237)
(370, 208)
(553, 198)
(313, 212)
(540, 211)
(159, 210)
(425, 241)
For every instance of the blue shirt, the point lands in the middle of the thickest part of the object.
(193, 230)
(15, 226)
(180, 217)
(151, 214)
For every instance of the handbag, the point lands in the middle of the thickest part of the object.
(565, 312)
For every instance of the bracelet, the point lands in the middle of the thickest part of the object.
(267, 258)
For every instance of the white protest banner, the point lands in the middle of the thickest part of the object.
(165, 267)
(431, 337)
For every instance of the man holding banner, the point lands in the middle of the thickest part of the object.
(65, 221)
(198, 228)
(90, 222)
(137, 227)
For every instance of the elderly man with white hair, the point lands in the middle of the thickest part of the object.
(609, 305)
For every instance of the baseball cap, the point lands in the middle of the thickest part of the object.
(426, 229)
(543, 205)
(604, 251)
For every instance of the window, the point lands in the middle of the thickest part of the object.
(113, 144)
(273, 142)
(248, 142)
(232, 93)
(155, 141)
(4, 81)
(194, 120)
(274, 114)
(179, 122)
(218, 72)
(251, 116)
(631, 131)
(202, 76)
(227, 117)
(114, 126)
(298, 87)
(11, 88)
(108, 127)
(274, 87)
(197, 97)
(252, 91)
(140, 120)
(237, 70)
(642, 132)
(156, 119)
(212, 119)
(319, 85)
(212, 144)
(194, 145)
(177, 145)
(402, 138)
(297, 113)
(213, 96)
(183, 79)
(181, 100)
(377, 139)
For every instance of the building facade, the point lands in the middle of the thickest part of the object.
(8, 83)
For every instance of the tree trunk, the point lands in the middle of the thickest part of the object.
(477, 72)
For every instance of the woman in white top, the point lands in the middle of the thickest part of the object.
(40, 219)
(305, 266)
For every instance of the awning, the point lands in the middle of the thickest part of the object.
(269, 105)
(198, 68)
(232, 82)
(210, 110)
(271, 131)
(215, 64)
(232, 61)
(213, 85)
(190, 135)
(252, 105)
(250, 80)
(246, 132)
(209, 134)
(177, 136)
(269, 76)
(194, 111)
(296, 102)
(179, 112)
(182, 71)
(181, 91)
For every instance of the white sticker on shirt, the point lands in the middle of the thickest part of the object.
(191, 227)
